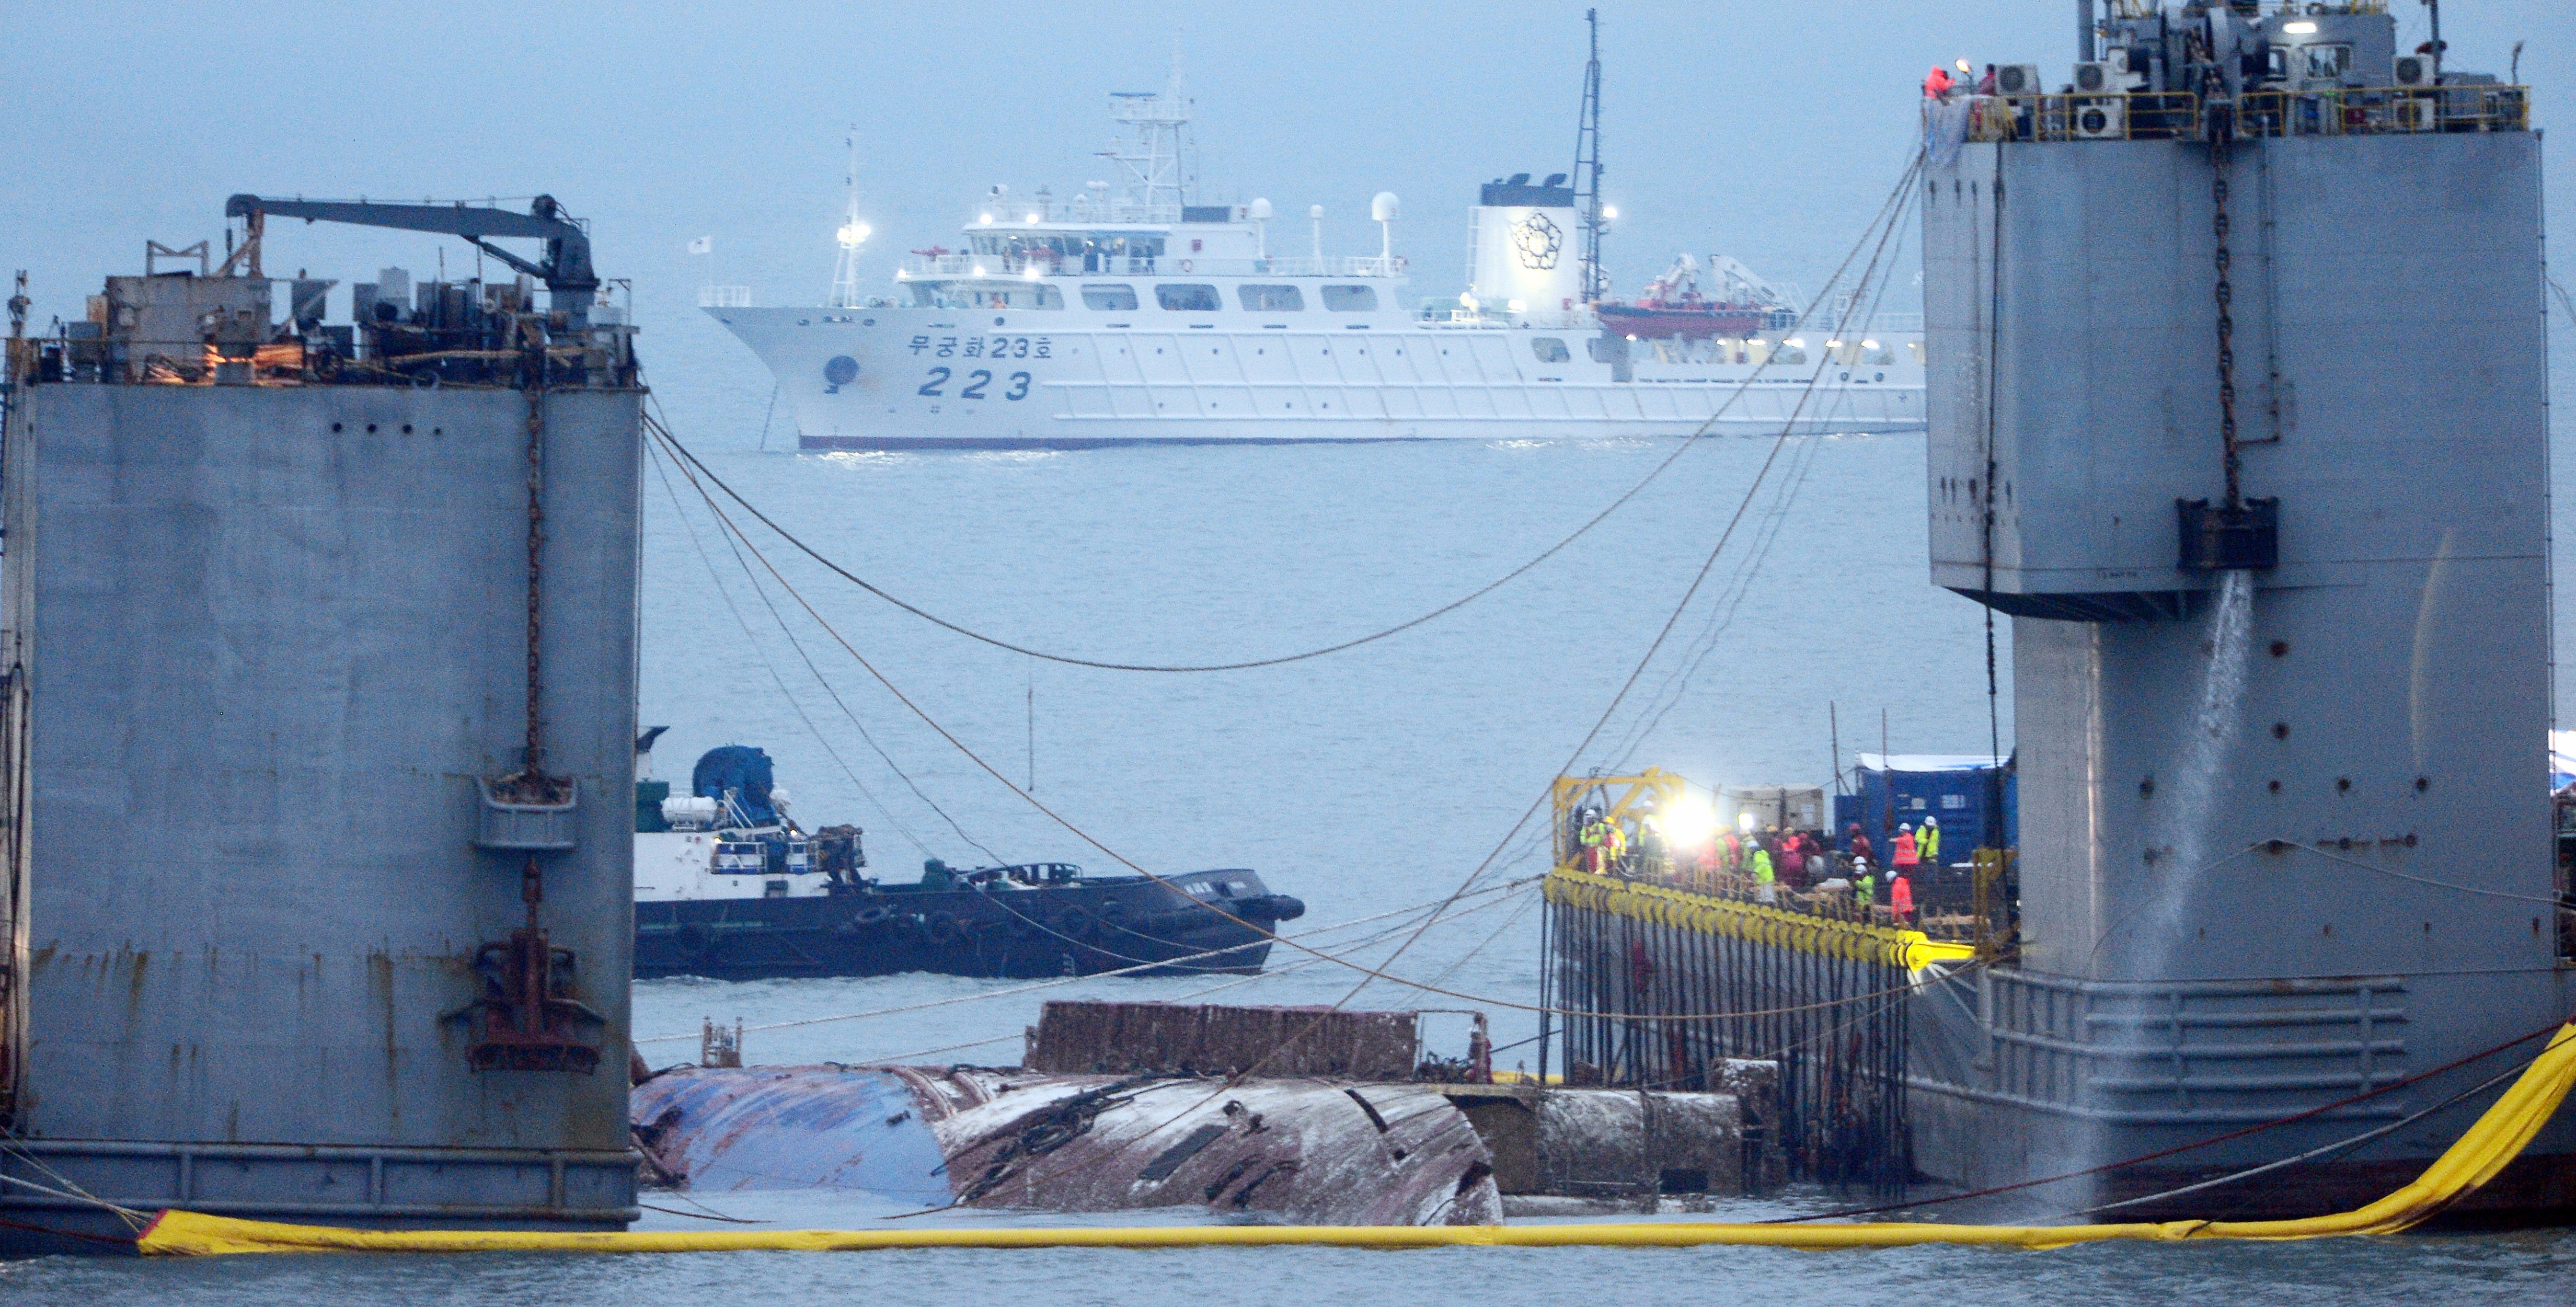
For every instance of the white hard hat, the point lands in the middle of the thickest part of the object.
(1905, 825)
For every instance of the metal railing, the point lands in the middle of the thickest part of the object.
(1080, 209)
(2385, 111)
(1169, 265)
(318, 360)
(2180, 115)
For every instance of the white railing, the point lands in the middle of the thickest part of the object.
(1857, 320)
(1079, 210)
(1169, 265)
(724, 297)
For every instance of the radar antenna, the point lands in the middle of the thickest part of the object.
(1587, 168)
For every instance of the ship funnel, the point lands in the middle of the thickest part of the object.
(1524, 235)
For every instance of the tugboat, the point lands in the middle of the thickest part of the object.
(729, 886)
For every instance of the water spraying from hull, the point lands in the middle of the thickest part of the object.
(2185, 848)
(2148, 939)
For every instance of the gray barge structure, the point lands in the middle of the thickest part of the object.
(2238, 415)
(316, 737)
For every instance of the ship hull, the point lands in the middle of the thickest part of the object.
(1183, 926)
(945, 379)
(2297, 1095)
(2015, 1076)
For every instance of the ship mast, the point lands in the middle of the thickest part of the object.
(853, 233)
(1587, 168)
(1154, 179)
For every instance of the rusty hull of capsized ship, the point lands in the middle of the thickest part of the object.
(1300, 1151)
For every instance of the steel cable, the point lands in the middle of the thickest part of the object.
(1443, 610)
(658, 459)
(693, 468)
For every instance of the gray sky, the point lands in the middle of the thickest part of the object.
(1768, 130)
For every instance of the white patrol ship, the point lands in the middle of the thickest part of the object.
(1127, 314)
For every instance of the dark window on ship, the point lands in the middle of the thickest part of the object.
(1112, 298)
(1549, 349)
(1270, 299)
(1185, 298)
(1351, 299)
(2328, 63)
(1604, 349)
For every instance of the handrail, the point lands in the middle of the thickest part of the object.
(1022, 266)
(120, 361)
(2181, 115)
(1738, 918)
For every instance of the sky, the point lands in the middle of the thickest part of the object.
(1766, 130)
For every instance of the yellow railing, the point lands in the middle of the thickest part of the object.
(1736, 919)
(2385, 111)
(1618, 793)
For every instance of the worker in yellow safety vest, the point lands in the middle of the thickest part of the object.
(1591, 836)
(1614, 846)
(1927, 842)
(1764, 879)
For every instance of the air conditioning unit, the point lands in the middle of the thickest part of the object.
(2414, 70)
(2093, 77)
(2416, 114)
(2105, 119)
(2018, 79)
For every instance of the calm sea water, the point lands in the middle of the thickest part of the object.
(1364, 782)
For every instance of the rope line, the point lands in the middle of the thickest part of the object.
(1052, 814)
(1443, 610)
(662, 472)
(2283, 846)
(1059, 981)
(1235, 983)
(2319, 1153)
(694, 468)
(2178, 1149)
(817, 673)
(1824, 359)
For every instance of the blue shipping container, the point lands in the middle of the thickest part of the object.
(1957, 790)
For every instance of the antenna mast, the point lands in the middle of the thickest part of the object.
(1587, 168)
(853, 233)
(1154, 172)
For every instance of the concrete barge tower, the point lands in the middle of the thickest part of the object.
(2237, 411)
(319, 669)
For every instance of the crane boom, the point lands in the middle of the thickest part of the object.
(565, 270)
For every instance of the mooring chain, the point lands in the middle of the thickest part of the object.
(535, 388)
(2222, 128)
